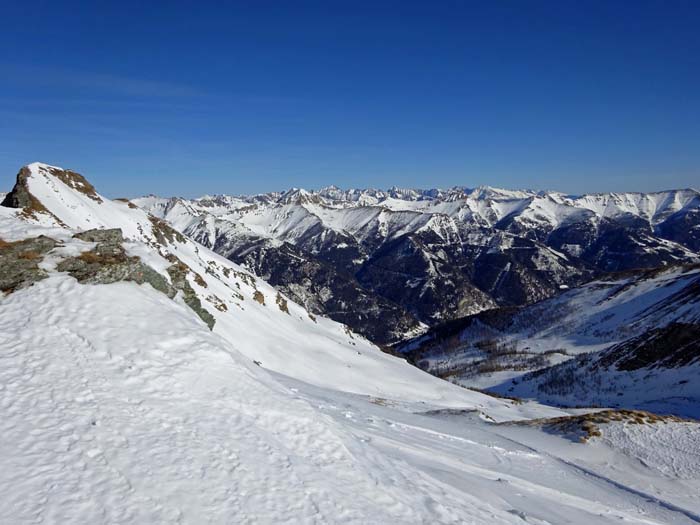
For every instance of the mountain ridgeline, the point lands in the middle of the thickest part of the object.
(389, 264)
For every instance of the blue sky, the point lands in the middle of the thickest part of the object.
(185, 98)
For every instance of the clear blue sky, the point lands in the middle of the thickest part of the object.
(189, 98)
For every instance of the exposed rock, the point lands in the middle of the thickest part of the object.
(127, 202)
(19, 262)
(108, 263)
(178, 275)
(164, 233)
(259, 297)
(217, 303)
(21, 198)
(111, 238)
(75, 181)
(282, 303)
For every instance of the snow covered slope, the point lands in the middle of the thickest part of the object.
(655, 371)
(634, 335)
(120, 405)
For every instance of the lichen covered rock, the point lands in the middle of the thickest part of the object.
(108, 263)
(19, 262)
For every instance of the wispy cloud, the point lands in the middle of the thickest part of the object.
(59, 78)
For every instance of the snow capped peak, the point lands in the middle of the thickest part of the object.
(35, 167)
(492, 193)
(299, 196)
(404, 193)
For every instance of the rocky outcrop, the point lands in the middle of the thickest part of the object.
(19, 262)
(75, 181)
(164, 233)
(21, 198)
(108, 263)
(178, 276)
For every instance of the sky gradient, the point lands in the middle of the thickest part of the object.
(185, 99)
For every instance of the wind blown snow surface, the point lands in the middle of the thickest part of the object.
(119, 405)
